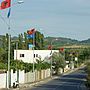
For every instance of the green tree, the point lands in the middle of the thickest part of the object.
(3, 55)
(59, 61)
(20, 41)
(26, 40)
(39, 40)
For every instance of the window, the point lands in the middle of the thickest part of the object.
(36, 55)
(21, 55)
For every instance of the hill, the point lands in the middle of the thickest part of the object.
(85, 41)
(65, 41)
(61, 40)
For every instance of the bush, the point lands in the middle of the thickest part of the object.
(41, 66)
(3, 66)
(16, 64)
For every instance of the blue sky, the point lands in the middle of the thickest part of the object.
(58, 18)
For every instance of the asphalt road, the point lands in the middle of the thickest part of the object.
(72, 81)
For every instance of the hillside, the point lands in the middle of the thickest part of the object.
(61, 40)
(65, 41)
(85, 41)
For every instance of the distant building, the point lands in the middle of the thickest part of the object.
(30, 55)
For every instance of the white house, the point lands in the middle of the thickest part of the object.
(31, 55)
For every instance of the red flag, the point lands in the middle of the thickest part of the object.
(5, 4)
(61, 49)
(49, 47)
(32, 31)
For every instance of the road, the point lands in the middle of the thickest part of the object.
(72, 81)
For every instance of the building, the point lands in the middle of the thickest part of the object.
(31, 55)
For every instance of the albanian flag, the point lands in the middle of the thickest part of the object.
(32, 31)
(5, 4)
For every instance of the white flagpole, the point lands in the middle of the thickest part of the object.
(9, 54)
(33, 48)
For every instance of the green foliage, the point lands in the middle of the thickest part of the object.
(28, 67)
(15, 64)
(88, 74)
(23, 41)
(39, 40)
(41, 64)
(3, 55)
(58, 61)
(3, 65)
(88, 68)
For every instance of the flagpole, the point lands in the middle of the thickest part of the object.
(51, 59)
(33, 49)
(9, 54)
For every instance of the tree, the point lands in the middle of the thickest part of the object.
(58, 61)
(20, 42)
(39, 40)
(3, 57)
(26, 40)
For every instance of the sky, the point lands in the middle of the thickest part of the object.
(56, 18)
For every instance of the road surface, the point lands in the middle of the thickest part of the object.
(72, 81)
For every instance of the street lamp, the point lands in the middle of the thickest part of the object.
(9, 36)
(51, 53)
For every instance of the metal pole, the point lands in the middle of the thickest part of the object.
(33, 51)
(16, 62)
(16, 49)
(8, 60)
(51, 58)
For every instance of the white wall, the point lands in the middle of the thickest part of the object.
(28, 54)
(3, 80)
(21, 76)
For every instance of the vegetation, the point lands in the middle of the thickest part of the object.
(41, 64)
(88, 74)
(58, 61)
(65, 42)
(24, 41)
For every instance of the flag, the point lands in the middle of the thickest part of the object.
(9, 12)
(61, 49)
(50, 47)
(32, 31)
(29, 36)
(5, 4)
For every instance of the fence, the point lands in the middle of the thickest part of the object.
(22, 77)
(36, 76)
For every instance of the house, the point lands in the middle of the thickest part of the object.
(31, 55)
